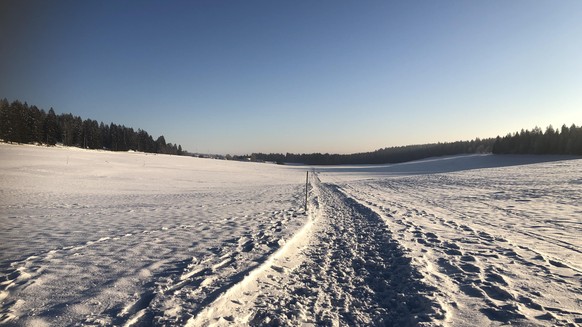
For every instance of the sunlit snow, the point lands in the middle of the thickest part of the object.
(103, 238)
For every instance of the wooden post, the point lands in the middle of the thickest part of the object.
(306, 188)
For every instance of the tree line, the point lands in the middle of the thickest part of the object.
(22, 123)
(381, 156)
(567, 141)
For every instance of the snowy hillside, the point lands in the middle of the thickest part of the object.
(128, 239)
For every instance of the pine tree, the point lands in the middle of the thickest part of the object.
(51, 128)
(4, 119)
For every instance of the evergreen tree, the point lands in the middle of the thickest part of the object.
(161, 144)
(51, 128)
(4, 119)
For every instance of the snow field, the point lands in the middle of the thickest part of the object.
(112, 241)
(501, 245)
(96, 238)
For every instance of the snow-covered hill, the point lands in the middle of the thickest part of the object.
(101, 238)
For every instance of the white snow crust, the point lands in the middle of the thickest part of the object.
(97, 238)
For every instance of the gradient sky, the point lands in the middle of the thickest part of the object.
(298, 76)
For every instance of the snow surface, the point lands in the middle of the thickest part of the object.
(501, 245)
(99, 238)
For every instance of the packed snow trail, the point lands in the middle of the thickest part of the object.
(350, 272)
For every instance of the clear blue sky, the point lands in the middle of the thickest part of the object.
(298, 76)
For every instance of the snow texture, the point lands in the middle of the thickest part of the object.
(97, 238)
